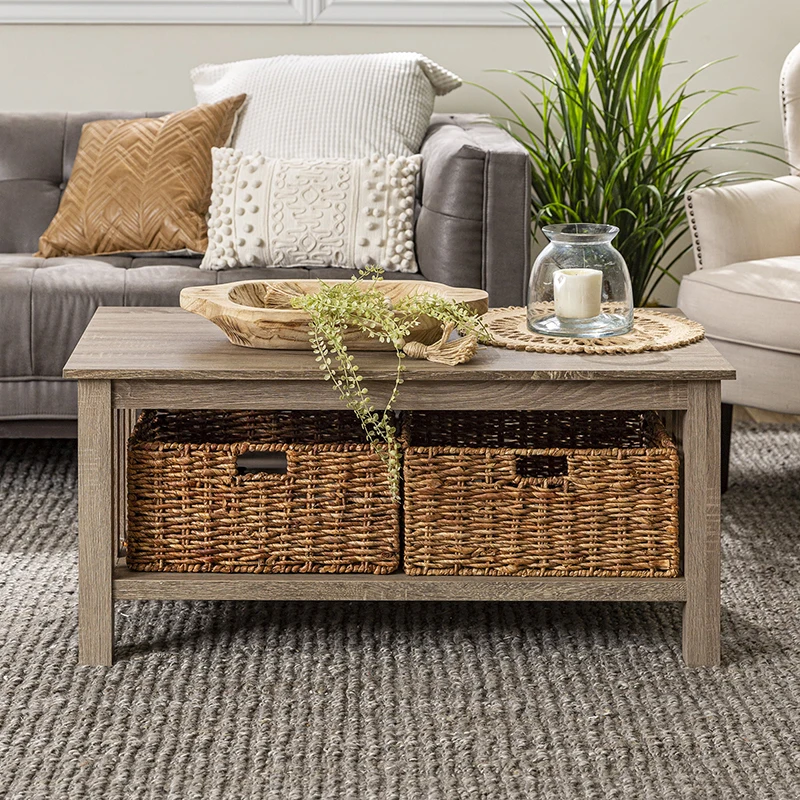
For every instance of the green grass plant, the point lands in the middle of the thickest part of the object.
(608, 142)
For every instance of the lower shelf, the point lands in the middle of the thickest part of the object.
(130, 585)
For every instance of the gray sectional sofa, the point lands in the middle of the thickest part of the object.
(472, 229)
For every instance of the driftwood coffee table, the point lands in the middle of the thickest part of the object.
(138, 358)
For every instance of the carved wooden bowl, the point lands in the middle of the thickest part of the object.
(259, 313)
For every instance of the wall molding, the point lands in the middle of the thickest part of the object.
(165, 12)
(415, 12)
(239, 12)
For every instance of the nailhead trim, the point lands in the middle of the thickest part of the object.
(698, 251)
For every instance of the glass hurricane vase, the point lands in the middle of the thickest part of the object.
(580, 285)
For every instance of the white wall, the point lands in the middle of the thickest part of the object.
(145, 67)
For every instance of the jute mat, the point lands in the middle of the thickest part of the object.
(652, 330)
(400, 701)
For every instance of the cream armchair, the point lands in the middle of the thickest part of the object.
(746, 290)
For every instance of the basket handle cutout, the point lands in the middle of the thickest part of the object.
(542, 466)
(261, 461)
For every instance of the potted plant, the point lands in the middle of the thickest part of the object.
(607, 142)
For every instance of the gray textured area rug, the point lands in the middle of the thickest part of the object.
(248, 700)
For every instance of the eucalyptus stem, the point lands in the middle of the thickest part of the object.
(359, 304)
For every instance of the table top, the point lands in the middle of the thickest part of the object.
(173, 344)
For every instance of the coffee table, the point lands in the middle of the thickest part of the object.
(137, 358)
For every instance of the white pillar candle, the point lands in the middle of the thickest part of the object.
(577, 292)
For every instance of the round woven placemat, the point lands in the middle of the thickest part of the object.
(652, 330)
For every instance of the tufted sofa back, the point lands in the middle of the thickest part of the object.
(37, 152)
(790, 101)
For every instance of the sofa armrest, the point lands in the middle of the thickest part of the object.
(474, 221)
(748, 221)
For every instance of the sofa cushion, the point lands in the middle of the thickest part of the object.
(37, 398)
(31, 170)
(45, 304)
(141, 185)
(334, 212)
(754, 303)
(36, 156)
(768, 379)
(341, 106)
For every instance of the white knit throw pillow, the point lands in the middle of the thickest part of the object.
(347, 106)
(268, 212)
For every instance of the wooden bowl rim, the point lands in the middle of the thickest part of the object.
(213, 301)
(222, 292)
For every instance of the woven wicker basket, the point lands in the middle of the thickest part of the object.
(540, 494)
(318, 502)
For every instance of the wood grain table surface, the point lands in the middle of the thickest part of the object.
(166, 343)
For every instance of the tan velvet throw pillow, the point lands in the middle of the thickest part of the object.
(141, 185)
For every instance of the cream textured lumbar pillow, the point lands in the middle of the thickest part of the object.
(329, 106)
(312, 212)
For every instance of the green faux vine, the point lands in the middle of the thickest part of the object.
(351, 304)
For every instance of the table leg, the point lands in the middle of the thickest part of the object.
(701, 524)
(96, 543)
